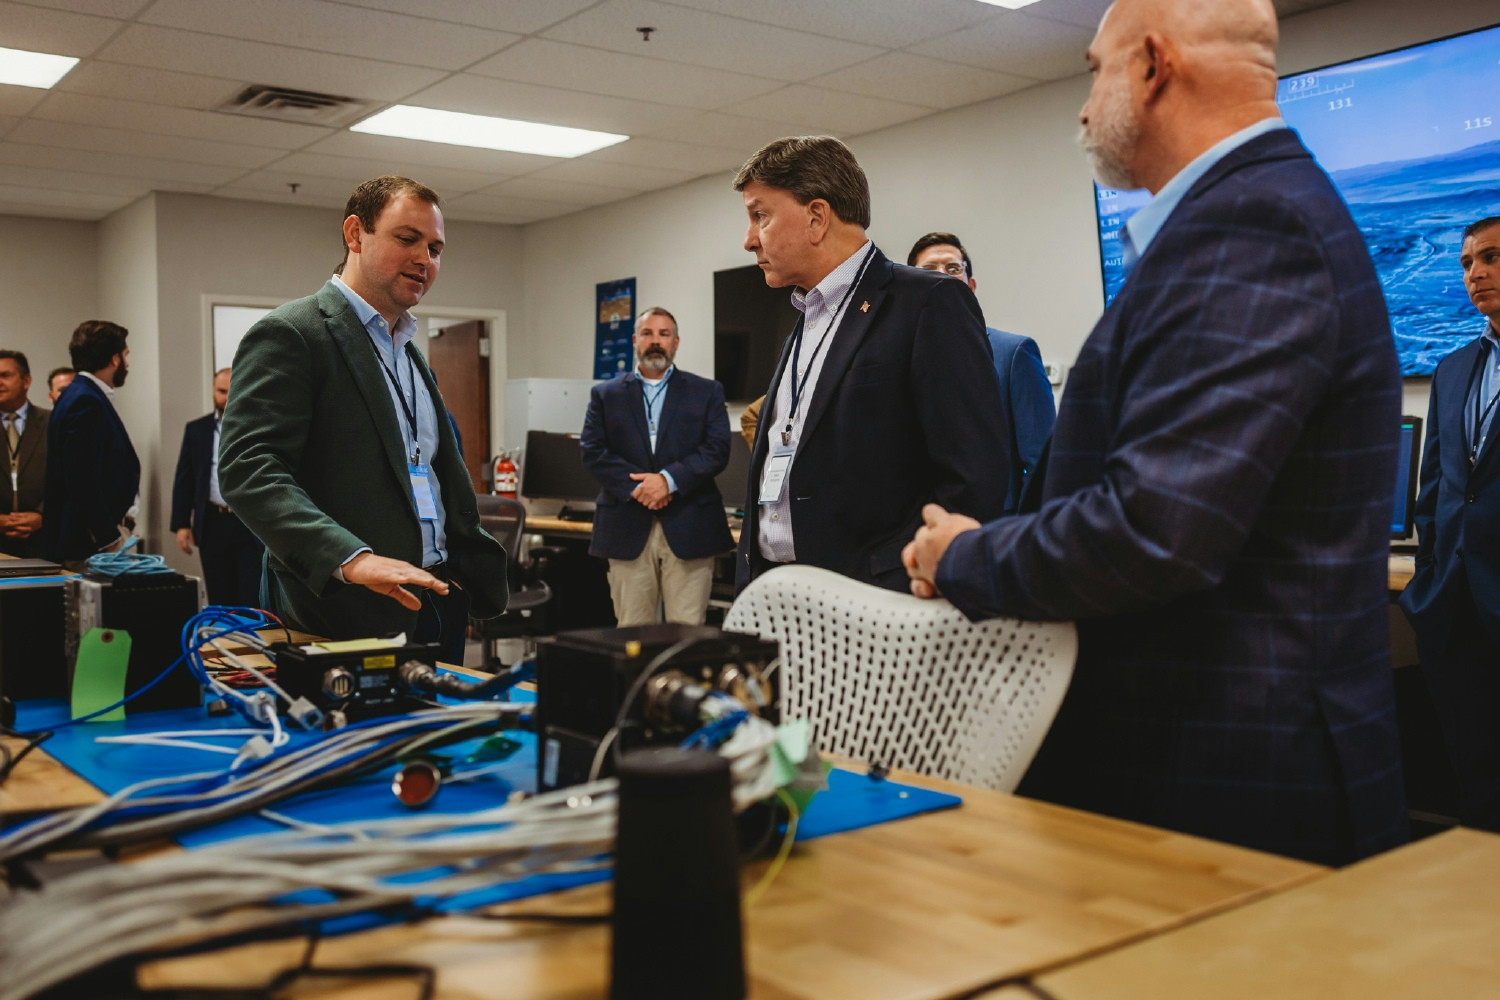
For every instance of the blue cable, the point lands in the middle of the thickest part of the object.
(127, 563)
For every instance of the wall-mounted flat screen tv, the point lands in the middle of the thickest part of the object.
(1411, 139)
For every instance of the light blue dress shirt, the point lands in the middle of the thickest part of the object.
(390, 351)
(655, 392)
(1481, 399)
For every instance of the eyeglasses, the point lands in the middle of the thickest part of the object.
(954, 268)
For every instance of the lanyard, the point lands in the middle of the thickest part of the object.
(833, 321)
(410, 411)
(651, 400)
(1480, 416)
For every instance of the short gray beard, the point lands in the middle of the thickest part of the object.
(654, 362)
(1109, 141)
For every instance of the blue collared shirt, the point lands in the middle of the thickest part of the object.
(1482, 391)
(654, 392)
(390, 350)
(1143, 226)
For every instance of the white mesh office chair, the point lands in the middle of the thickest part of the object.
(891, 679)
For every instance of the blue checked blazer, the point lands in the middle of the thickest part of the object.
(1214, 516)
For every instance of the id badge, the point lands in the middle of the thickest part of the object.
(421, 491)
(773, 483)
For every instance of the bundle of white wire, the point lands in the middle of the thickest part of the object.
(207, 796)
(83, 920)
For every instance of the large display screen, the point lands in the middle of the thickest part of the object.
(1411, 139)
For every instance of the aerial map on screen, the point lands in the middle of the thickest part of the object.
(1411, 139)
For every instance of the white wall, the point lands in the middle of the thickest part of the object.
(52, 270)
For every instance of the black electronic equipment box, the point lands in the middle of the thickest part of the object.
(584, 677)
(361, 678)
(152, 608)
(31, 639)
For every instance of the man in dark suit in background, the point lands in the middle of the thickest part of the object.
(58, 379)
(655, 438)
(336, 449)
(1024, 388)
(23, 430)
(885, 396)
(1214, 509)
(1453, 600)
(230, 554)
(93, 475)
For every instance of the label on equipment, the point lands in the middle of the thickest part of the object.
(551, 753)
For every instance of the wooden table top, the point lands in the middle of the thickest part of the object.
(1421, 921)
(556, 525)
(927, 907)
(1399, 572)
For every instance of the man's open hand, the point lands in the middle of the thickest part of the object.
(387, 576)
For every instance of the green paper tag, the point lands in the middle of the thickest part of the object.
(99, 676)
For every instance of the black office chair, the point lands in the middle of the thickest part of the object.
(525, 617)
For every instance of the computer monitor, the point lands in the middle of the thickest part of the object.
(1408, 464)
(552, 468)
(733, 480)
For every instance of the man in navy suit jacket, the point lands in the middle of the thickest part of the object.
(230, 554)
(1214, 510)
(884, 398)
(93, 475)
(1025, 390)
(655, 439)
(1453, 600)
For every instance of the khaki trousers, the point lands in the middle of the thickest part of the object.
(656, 577)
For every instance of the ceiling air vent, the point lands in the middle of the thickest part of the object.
(303, 106)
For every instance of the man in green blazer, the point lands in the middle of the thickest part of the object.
(337, 452)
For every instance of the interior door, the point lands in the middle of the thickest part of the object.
(462, 367)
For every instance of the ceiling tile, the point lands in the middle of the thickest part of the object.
(275, 180)
(676, 155)
(1016, 44)
(888, 23)
(68, 180)
(50, 211)
(634, 77)
(521, 16)
(624, 175)
(829, 111)
(729, 131)
(380, 150)
(82, 200)
(56, 31)
(705, 39)
(1083, 13)
(103, 8)
(165, 147)
(20, 100)
(350, 171)
(331, 27)
(514, 211)
(482, 95)
(564, 192)
(901, 76)
(85, 109)
(282, 197)
(160, 173)
(154, 86)
(210, 55)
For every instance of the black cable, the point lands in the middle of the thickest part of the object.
(33, 740)
(550, 918)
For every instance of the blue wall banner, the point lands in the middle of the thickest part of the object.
(614, 327)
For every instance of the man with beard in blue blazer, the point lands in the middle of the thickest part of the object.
(1453, 600)
(1215, 508)
(655, 439)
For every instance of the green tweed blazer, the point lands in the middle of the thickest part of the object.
(310, 458)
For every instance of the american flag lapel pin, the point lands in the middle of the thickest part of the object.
(865, 308)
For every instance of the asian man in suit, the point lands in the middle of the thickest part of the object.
(24, 428)
(1214, 511)
(885, 396)
(230, 554)
(336, 449)
(1453, 600)
(655, 439)
(93, 474)
(1025, 390)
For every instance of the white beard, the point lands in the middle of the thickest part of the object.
(1110, 138)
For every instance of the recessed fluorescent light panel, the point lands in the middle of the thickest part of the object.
(457, 129)
(1012, 4)
(33, 69)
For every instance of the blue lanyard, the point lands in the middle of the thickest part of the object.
(651, 400)
(410, 411)
(833, 321)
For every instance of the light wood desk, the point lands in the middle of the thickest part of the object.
(1422, 921)
(929, 907)
(1400, 571)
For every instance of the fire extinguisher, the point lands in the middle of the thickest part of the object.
(505, 475)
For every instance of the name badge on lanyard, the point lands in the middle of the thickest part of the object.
(778, 464)
(421, 491)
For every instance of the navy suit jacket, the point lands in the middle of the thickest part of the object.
(31, 474)
(1027, 395)
(93, 474)
(1458, 510)
(1214, 515)
(190, 485)
(692, 444)
(906, 412)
